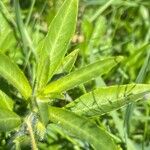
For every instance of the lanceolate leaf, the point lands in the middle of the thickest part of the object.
(68, 62)
(7, 42)
(43, 110)
(7, 38)
(5, 101)
(55, 129)
(42, 69)
(8, 120)
(11, 72)
(106, 99)
(60, 32)
(57, 40)
(82, 128)
(81, 76)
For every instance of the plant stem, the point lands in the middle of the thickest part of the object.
(33, 141)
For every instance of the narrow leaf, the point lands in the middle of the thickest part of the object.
(42, 69)
(81, 76)
(7, 38)
(68, 62)
(57, 40)
(106, 99)
(43, 110)
(11, 72)
(5, 101)
(82, 128)
(98, 32)
(55, 129)
(8, 120)
(27, 42)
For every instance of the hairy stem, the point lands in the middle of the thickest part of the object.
(33, 141)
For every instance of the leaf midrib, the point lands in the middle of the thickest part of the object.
(60, 29)
(51, 86)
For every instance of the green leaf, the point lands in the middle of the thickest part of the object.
(82, 128)
(7, 38)
(98, 33)
(68, 62)
(43, 110)
(55, 129)
(5, 101)
(11, 72)
(8, 120)
(106, 99)
(135, 56)
(42, 69)
(81, 76)
(56, 41)
(26, 40)
(101, 9)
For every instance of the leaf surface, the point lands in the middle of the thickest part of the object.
(68, 62)
(55, 44)
(82, 128)
(11, 72)
(43, 110)
(7, 38)
(106, 99)
(8, 120)
(5, 101)
(81, 76)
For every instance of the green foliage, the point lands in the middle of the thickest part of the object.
(69, 70)
(81, 128)
(11, 72)
(7, 37)
(56, 41)
(106, 99)
(8, 120)
(81, 76)
(5, 101)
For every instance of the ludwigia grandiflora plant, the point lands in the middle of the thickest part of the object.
(37, 93)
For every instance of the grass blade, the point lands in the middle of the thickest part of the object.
(140, 79)
(27, 42)
(101, 9)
